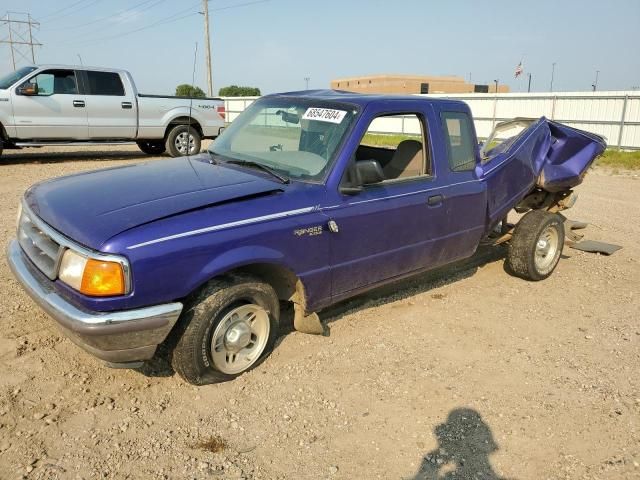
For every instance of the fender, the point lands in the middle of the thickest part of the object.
(7, 129)
(241, 257)
(245, 258)
(178, 112)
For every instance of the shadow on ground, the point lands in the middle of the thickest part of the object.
(465, 443)
(17, 157)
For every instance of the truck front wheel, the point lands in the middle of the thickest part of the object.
(536, 245)
(183, 140)
(152, 147)
(228, 328)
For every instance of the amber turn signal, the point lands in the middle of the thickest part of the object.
(101, 279)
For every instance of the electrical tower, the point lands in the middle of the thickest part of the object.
(19, 36)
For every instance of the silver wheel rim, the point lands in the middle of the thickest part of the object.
(547, 249)
(185, 143)
(240, 338)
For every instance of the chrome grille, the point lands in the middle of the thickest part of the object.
(41, 249)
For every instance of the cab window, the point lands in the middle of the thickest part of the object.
(105, 83)
(398, 144)
(59, 82)
(459, 141)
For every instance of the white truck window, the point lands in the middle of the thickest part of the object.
(55, 81)
(105, 83)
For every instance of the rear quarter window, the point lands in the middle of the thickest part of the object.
(105, 83)
(459, 141)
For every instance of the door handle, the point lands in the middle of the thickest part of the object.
(78, 103)
(434, 200)
(127, 105)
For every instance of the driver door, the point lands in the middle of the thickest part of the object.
(56, 111)
(393, 227)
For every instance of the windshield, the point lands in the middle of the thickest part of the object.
(13, 77)
(294, 136)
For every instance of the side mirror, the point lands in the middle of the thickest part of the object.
(369, 171)
(363, 172)
(28, 89)
(288, 117)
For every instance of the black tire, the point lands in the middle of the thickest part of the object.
(522, 257)
(192, 357)
(152, 147)
(173, 137)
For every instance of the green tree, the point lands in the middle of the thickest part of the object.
(186, 90)
(236, 91)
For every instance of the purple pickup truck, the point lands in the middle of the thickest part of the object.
(307, 197)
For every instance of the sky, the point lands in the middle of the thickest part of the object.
(276, 44)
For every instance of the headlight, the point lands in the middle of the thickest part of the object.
(97, 278)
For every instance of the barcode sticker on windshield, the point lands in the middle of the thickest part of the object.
(324, 115)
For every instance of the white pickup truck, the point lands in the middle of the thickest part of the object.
(77, 105)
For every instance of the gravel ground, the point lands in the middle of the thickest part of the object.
(469, 373)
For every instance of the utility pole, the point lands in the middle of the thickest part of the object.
(205, 6)
(18, 36)
(529, 87)
(594, 85)
(306, 81)
(553, 71)
(496, 82)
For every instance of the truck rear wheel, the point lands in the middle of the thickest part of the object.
(229, 328)
(152, 147)
(536, 245)
(183, 140)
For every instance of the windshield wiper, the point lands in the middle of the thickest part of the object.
(260, 166)
(215, 158)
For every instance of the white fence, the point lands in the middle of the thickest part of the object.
(614, 115)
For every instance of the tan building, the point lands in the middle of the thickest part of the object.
(408, 84)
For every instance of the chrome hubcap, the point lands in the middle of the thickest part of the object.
(240, 338)
(237, 337)
(185, 143)
(547, 249)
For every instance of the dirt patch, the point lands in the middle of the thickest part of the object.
(469, 371)
(213, 444)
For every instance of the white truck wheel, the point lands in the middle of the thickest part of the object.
(183, 140)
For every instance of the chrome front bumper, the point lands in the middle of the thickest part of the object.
(122, 337)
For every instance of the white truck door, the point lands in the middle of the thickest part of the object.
(49, 106)
(111, 108)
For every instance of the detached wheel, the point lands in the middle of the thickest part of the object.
(536, 246)
(183, 140)
(152, 147)
(229, 328)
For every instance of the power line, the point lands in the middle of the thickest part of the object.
(58, 12)
(163, 21)
(107, 17)
(246, 4)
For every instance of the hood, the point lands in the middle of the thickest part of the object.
(92, 207)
